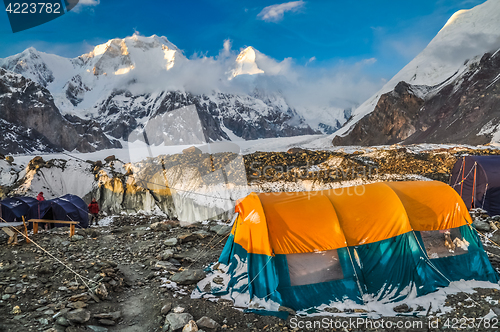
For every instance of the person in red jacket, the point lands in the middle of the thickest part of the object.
(40, 197)
(94, 211)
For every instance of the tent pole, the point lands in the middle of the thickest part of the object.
(473, 187)
(463, 173)
(356, 275)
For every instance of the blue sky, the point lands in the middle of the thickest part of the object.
(314, 33)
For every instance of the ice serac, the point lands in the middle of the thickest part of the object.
(462, 54)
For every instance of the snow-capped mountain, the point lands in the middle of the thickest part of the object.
(457, 65)
(123, 83)
(30, 121)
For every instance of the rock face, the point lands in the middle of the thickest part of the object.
(31, 121)
(465, 111)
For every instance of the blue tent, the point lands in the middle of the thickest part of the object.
(68, 207)
(12, 209)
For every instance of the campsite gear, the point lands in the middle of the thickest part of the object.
(94, 211)
(71, 224)
(383, 241)
(68, 208)
(13, 209)
(477, 180)
(9, 228)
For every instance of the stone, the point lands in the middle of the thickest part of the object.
(481, 225)
(188, 237)
(166, 254)
(190, 327)
(166, 308)
(201, 234)
(101, 291)
(110, 158)
(97, 328)
(171, 242)
(160, 226)
(296, 150)
(177, 321)
(221, 229)
(76, 237)
(402, 308)
(63, 321)
(115, 315)
(84, 297)
(43, 321)
(10, 290)
(165, 265)
(16, 310)
(107, 322)
(207, 322)
(218, 280)
(178, 310)
(5, 297)
(188, 277)
(192, 149)
(77, 305)
(79, 316)
(286, 309)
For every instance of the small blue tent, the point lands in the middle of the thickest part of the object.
(68, 207)
(13, 209)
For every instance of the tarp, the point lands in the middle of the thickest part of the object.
(477, 180)
(12, 209)
(68, 207)
(367, 242)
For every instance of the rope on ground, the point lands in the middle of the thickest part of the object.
(82, 278)
(205, 251)
(487, 238)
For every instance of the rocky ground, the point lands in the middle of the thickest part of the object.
(137, 274)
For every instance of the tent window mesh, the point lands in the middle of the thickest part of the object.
(314, 267)
(444, 243)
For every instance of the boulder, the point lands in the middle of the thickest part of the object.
(170, 242)
(188, 277)
(221, 229)
(482, 225)
(110, 158)
(207, 322)
(175, 322)
(79, 316)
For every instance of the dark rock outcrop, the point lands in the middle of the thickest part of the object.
(465, 111)
(30, 121)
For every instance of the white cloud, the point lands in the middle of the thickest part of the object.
(89, 2)
(275, 13)
(85, 3)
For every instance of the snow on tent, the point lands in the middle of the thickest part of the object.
(13, 209)
(477, 181)
(379, 242)
(67, 207)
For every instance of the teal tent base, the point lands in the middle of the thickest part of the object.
(388, 271)
(473, 265)
(391, 269)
